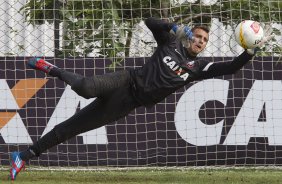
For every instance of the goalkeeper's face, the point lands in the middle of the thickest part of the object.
(199, 41)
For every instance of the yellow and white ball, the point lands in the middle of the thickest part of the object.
(248, 34)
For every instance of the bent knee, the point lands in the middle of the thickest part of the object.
(83, 88)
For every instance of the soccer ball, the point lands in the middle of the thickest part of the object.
(248, 34)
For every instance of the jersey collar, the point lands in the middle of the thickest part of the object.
(186, 53)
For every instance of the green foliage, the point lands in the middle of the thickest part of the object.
(107, 25)
(37, 12)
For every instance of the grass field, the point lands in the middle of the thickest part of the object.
(187, 176)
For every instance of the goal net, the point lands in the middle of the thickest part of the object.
(228, 120)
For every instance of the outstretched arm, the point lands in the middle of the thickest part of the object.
(224, 68)
(160, 29)
(212, 69)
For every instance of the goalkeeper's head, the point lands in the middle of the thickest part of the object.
(199, 40)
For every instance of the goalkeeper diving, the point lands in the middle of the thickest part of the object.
(173, 65)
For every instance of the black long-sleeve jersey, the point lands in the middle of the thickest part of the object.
(171, 67)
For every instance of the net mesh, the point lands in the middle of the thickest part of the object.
(223, 121)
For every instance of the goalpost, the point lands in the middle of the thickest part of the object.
(226, 121)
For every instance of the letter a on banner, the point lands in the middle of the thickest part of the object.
(12, 128)
(66, 108)
(246, 125)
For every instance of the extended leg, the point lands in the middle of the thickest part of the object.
(87, 87)
(99, 113)
(96, 86)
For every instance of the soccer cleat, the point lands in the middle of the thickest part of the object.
(16, 165)
(40, 64)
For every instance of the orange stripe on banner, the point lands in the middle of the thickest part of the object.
(5, 117)
(25, 89)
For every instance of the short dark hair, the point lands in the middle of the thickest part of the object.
(203, 27)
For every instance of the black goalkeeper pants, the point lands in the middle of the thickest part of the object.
(114, 101)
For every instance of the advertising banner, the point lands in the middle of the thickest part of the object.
(228, 120)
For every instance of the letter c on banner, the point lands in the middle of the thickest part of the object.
(187, 121)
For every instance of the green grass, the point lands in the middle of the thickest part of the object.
(146, 176)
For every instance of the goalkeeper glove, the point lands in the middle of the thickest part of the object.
(182, 32)
(267, 37)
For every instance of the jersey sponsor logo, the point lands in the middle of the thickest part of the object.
(175, 68)
(190, 64)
